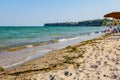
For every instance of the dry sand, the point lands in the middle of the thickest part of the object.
(97, 59)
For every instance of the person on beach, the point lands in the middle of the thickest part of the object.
(118, 29)
(111, 28)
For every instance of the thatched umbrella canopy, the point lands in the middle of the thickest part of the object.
(114, 15)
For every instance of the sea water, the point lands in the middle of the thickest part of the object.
(19, 36)
(51, 38)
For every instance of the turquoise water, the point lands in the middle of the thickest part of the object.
(19, 36)
(53, 37)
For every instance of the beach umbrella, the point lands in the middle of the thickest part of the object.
(114, 15)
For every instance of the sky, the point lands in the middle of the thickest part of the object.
(38, 12)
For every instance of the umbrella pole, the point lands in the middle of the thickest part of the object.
(118, 21)
(113, 23)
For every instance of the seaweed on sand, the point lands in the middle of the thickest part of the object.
(1, 69)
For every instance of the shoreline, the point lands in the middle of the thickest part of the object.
(94, 59)
(41, 52)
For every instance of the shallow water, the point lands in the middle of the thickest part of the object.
(20, 36)
(67, 36)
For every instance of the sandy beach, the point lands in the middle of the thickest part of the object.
(97, 59)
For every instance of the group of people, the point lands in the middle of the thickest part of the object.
(116, 30)
(113, 29)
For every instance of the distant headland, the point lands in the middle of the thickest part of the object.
(96, 22)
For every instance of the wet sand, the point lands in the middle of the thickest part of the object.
(97, 59)
(16, 56)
